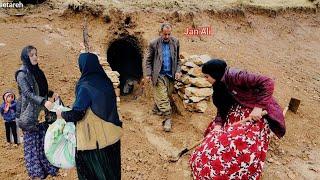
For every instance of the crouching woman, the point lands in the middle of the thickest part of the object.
(232, 150)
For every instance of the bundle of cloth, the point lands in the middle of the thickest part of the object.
(60, 141)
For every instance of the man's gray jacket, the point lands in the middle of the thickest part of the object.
(154, 59)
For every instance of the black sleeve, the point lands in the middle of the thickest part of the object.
(43, 102)
(50, 93)
(73, 115)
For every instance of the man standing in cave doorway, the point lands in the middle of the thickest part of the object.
(162, 69)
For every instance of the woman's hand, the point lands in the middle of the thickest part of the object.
(256, 114)
(217, 127)
(6, 107)
(48, 105)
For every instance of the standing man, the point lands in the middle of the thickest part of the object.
(162, 68)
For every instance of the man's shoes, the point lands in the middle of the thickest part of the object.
(167, 125)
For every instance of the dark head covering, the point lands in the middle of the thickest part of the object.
(35, 71)
(99, 87)
(6, 94)
(221, 97)
(215, 68)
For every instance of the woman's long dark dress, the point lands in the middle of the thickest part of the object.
(95, 103)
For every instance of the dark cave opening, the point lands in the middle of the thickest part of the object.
(125, 56)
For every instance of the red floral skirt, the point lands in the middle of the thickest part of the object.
(235, 152)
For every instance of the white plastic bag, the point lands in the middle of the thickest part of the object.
(60, 141)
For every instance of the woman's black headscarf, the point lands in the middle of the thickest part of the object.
(35, 71)
(221, 97)
(99, 86)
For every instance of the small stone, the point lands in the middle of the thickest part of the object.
(200, 82)
(183, 55)
(205, 58)
(200, 60)
(195, 72)
(192, 57)
(117, 91)
(116, 85)
(190, 64)
(107, 68)
(196, 60)
(185, 79)
(114, 79)
(179, 83)
(185, 69)
(199, 92)
(197, 99)
(104, 63)
(201, 106)
(183, 61)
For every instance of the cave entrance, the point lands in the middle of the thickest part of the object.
(125, 56)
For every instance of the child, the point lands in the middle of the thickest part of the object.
(8, 112)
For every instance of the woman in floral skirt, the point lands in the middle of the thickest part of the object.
(33, 90)
(233, 150)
